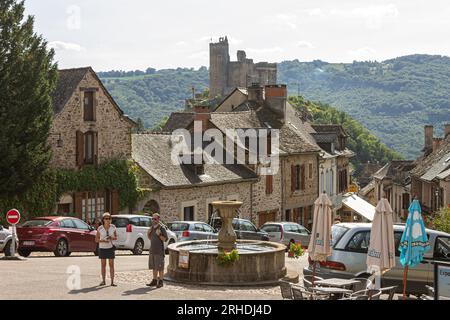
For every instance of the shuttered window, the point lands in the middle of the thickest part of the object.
(269, 184)
(89, 103)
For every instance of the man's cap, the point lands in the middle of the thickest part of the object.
(106, 214)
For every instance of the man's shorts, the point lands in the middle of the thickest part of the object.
(155, 262)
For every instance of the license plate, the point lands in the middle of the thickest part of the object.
(28, 243)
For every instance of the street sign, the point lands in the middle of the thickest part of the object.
(13, 217)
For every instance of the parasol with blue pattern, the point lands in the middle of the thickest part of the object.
(414, 242)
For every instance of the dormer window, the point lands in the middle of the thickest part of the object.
(89, 106)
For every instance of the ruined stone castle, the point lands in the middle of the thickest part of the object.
(225, 75)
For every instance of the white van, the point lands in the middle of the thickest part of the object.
(132, 233)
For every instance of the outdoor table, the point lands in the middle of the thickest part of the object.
(336, 282)
(334, 292)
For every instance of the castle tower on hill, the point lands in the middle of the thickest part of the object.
(225, 75)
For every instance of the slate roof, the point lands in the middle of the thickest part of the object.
(425, 164)
(152, 152)
(328, 128)
(324, 137)
(294, 134)
(178, 120)
(397, 170)
(439, 166)
(68, 81)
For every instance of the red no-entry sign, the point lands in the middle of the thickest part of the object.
(13, 217)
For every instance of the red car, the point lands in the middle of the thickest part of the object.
(60, 235)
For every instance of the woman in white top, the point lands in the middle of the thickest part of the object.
(106, 233)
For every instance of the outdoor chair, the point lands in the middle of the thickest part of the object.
(307, 281)
(372, 294)
(363, 284)
(301, 293)
(363, 297)
(286, 290)
(390, 291)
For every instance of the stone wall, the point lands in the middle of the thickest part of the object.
(172, 201)
(300, 198)
(267, 202)
(114, 131)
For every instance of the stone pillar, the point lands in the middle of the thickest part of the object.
(227, 210)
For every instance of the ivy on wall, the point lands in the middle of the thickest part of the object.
(41, 199)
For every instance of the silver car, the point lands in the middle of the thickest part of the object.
(287, 232)
(348, 260)
(192, 230)
(5, 241)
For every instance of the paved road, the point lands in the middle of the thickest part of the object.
(46, 277)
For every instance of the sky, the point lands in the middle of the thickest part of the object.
(136, 34)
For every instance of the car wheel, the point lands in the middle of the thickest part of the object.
(170, 242)
(7, 249)
(138, 247)
(24, 253)
(62, 248)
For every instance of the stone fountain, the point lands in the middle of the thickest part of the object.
(260, 262)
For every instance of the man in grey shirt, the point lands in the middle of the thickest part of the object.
(157, 235)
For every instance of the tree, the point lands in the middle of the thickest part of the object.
(140, 126)
(27, 79)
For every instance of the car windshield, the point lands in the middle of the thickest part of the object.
(175, 226)
(336, 233)
(37, 223)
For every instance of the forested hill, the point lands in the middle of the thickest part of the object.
(393, 98)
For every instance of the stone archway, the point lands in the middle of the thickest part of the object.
(151, 207)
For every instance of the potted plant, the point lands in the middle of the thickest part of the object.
(296, 250)
(226, 258)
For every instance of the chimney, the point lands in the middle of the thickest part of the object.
(255, 93)
(428, 148)
(276, 98)
(446, 130)
(201, 114)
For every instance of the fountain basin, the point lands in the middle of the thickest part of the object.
(260, 262)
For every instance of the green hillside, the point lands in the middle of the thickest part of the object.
(393, 98)
(366, 146)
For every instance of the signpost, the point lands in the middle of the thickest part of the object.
(441, 280)
(13, 218)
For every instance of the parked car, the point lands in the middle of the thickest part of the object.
(6, 241)
(60, 235)
(192, 230)
(287, 233)
(132, 233)
(244, 229)
(348, 260)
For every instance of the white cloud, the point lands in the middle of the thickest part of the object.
(65, 46)
(181, 44)
(364, 53)
(373, 16)
(315, 12)
(264, 50)
(199, 55)
(305, 45)
(287, 20)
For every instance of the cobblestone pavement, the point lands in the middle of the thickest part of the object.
(43, 276)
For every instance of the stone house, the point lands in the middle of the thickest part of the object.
(334, 173)
(185, 191)
(394, 183)
(88, 128)
(430, 179)
(288, 194)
